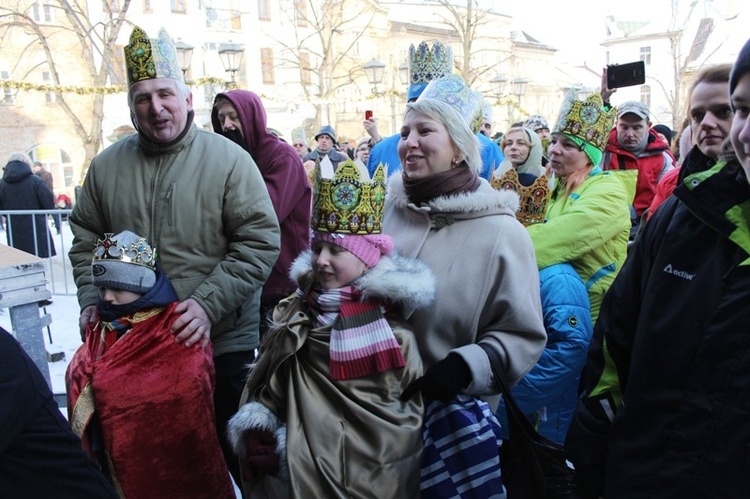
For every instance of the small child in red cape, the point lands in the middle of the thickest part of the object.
(142, 403)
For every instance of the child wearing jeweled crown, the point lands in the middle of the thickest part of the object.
(141, 402)
(322, 416)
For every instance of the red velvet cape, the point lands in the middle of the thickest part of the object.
(154, 398)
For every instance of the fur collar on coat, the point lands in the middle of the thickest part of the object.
(395, 279)
(483, 199)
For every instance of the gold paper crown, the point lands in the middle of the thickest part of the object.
(533, 199)
(586, 120)
(453, 91)
(147, 58)
(131, 249)
(349, 202)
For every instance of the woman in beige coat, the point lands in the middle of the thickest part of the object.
(440, 212)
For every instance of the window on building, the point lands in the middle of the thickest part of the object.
(235, 20)
(300, 13)
(147, 6)
(264, 10)
(47, 78)
(646, 95)
(9, 94)
(266, 65)
(646, 54)
(305, 68)
(41, 11)
(117, 71)
(178, 6)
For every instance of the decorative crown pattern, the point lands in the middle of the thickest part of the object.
(428, 63)
(349, 202)
(453, 90)
(136, 252)
(532, 208)
(147, 58)
(586, 120)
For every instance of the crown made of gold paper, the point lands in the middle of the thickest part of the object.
(147, 58)
(586, 120)
(133, 250)
(453, 91)
(533, 199)
(347, 201)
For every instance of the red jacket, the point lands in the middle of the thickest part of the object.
(649, 163)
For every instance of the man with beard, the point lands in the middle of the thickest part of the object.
(240, 116)
(633, 145)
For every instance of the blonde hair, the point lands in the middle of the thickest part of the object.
(463, 139)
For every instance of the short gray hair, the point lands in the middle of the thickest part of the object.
(459, 132)
(181, 87)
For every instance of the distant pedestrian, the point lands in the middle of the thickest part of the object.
(20, 189)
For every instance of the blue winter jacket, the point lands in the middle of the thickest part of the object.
(548, 394)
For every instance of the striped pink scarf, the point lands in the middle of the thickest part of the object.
(362, 341)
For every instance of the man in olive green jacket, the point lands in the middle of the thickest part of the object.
(202, 203)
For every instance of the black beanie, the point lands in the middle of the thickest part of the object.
(741, 66)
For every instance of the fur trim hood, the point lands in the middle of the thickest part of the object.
(483, 199)
(395, 279)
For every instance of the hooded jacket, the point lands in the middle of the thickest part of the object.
(487, 282)
(202, 203)
(652, 163)
(378, 438)
(285, 180)
(20, 189)
(665, 405)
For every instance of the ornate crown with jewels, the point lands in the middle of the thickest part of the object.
(347, 201)
(453, 91)
(125, 247)
(426, 64)
(147, 58)
(533, 199)
(586, 120)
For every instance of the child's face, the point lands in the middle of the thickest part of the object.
(334, 266)
(118, 296)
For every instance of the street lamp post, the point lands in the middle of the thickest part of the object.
(184, 56)
(231, 57)
(519, 88)
(375, 70)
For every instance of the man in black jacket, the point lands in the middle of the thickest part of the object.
(666, 398)
(39, 454)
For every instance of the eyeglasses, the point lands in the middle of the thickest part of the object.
(299, 145)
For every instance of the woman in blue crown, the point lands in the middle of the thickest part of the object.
(321, 414)
(588, 216)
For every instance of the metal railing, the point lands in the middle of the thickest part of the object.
(58, 271)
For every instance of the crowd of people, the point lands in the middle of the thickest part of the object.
(308, 321)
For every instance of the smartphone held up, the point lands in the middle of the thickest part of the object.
(368, 114)
(626, 75)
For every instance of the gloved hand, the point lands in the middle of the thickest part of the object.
(261, 458)
(442, 381)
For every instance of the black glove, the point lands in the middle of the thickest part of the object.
(261, 458)
(442, 381)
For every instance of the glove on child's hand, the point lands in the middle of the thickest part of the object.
(442, 381)
(261, 458)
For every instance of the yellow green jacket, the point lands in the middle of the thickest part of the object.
(588, 229)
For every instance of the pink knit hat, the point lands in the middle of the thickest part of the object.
(367, 248)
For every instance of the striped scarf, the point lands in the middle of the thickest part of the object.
(362, 341)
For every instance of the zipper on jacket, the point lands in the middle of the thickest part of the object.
(170, 211)
(154, 190)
